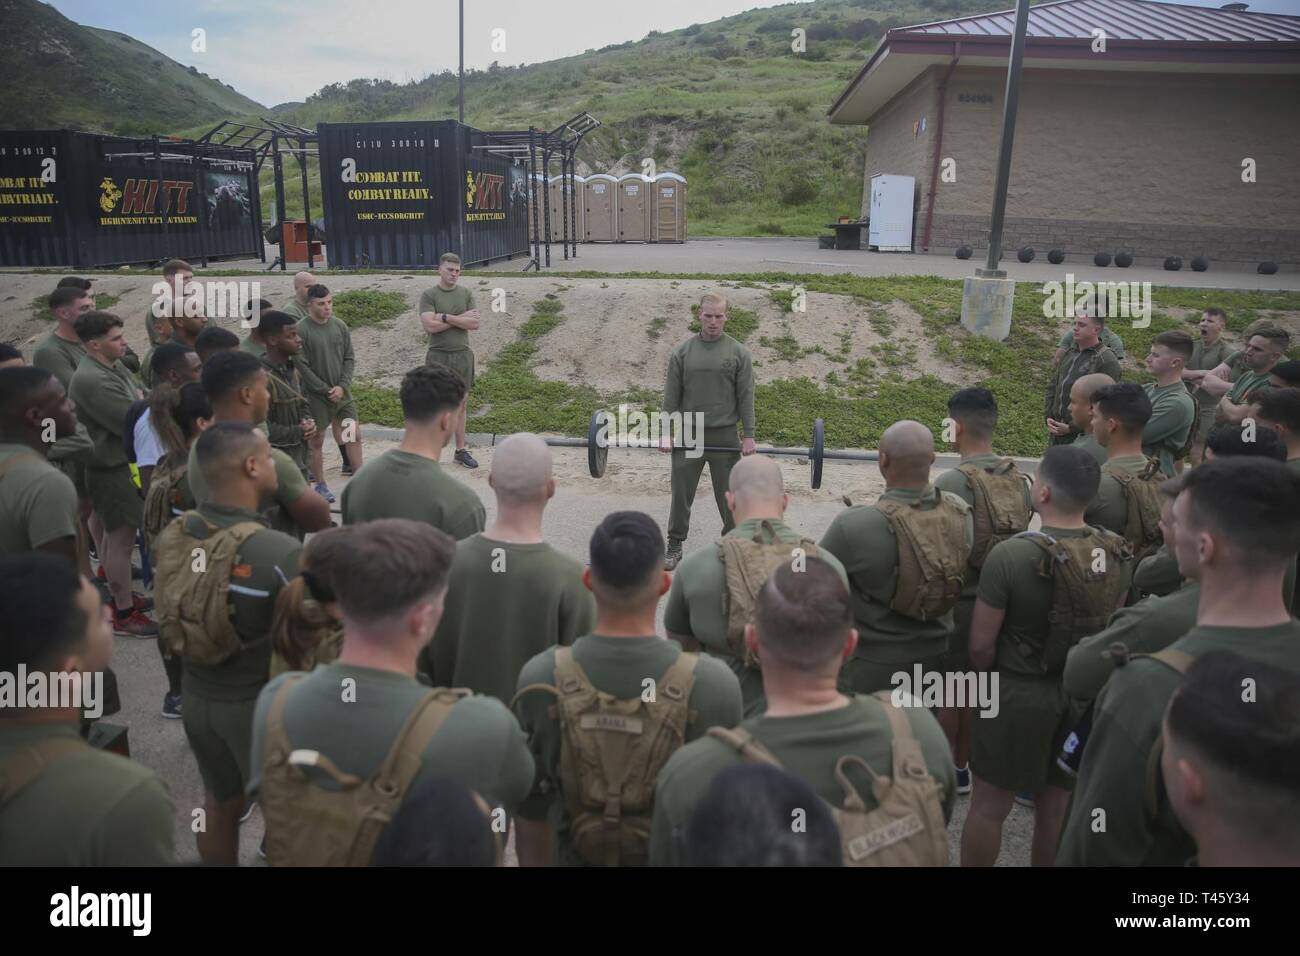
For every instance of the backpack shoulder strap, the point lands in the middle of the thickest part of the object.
(407, 753)
(1173, 658)
(743, 742)
(570, 678)
(908, 759)
(27, 765)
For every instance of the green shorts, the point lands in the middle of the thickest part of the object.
(1017, 749)
(326, 412)
(461, 361)
(1204, 425)
(115, 497)
(860, 676)
(958, 656)
(75, 470)
(220, 733)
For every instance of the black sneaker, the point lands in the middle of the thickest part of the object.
(673, 556)
(346, 470)
(963, 780)
(172, 706)
(463, 457)
(248, 811)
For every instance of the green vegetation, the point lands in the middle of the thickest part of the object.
(366, 307)
(861, 400)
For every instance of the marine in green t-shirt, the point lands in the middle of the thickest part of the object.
(710, 385)
(1018, 634)
(62, 802)
(290, 486)
(1237, 520)
(696, 614)
(60, 356)
(326, 364)
(506, 602)
(890, 641)
(448, 314)
(1173, 414)
(801, 633)
(624, 679)
(1109, 509)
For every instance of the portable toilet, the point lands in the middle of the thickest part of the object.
(634, 207)
(558, 196)
(600, 203)
(669, 208)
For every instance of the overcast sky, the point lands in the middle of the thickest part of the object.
(280, 50)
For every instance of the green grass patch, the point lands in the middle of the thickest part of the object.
(361, 307)
(786, 347)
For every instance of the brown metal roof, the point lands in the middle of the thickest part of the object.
(1122, 20)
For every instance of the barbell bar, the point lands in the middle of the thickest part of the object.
(816, 452)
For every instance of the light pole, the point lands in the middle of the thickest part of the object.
(1011, 103)
(461, 98)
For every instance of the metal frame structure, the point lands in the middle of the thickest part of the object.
(542, 147)
(266, 141)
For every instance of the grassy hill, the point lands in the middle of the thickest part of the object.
(56, 73)
(727, 103)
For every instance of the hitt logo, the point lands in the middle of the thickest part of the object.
(140, 196)
(484, 191)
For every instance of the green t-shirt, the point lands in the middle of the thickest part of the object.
(1126, 723)
(860, 537)
(38, 503)
(1173, 413)
(1088, 443)
(290, 487)
(327, 350)
(1010, 582)
(479, 745)
(1109, 509)
(87, 808)
(616, 666)
(713, 378)
(103, 394)
(505, 604)
(299, 312)
(697, 608)
(266, 562)
(955, 482)
(1150, 625)
(149, 320)
(808, 746)
(455, 301)
(254, 348)
(1206, 357)
(60, 357)
(1246, 383)
(401, 484)
(1108, 338)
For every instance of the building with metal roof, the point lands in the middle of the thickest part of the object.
(1156, 128)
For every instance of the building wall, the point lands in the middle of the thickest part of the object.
(892, 146)
(1148, 162)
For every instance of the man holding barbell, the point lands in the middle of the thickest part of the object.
(710, 375)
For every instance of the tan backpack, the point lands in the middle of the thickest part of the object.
(163, 497)
(307, 825)
(611, 752)
(748, 563)
(192, 600)
(1082, 599)
(1142, 498)
(907, 827)
(932, 552)
(1001, 505)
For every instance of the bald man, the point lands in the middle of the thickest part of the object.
(1081, 393)
(510, 595)
(297, 306)
(902, 601)
(706, 586)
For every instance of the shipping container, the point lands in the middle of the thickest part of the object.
(83, 200)
(401, 194)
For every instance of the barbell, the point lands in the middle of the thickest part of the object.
(598, 446)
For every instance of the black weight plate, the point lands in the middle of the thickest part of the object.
(817, 451)
(597, 451)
